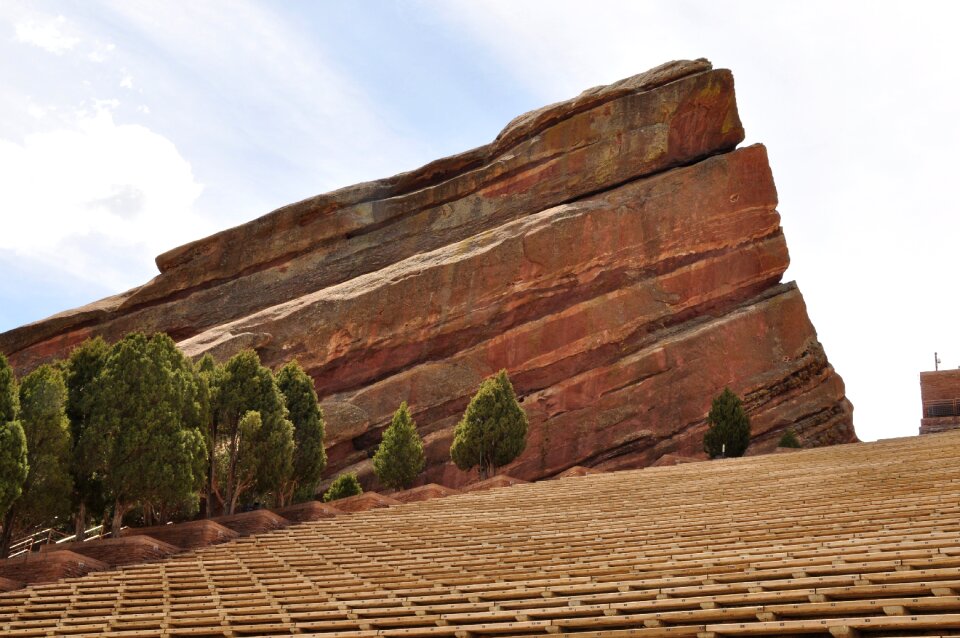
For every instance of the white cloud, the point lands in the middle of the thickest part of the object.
(101, 51)
(96, 201)
(127, 82)
(46, 34)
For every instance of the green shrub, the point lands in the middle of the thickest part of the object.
(729, 431)
(789, 439)
(343, 486)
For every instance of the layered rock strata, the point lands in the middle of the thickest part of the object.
(613, 252)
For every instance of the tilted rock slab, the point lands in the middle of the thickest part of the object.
(614, 252)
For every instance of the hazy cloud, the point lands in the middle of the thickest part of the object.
(46, 34)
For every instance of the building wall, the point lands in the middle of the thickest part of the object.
(940, 396)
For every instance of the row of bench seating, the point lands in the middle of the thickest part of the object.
(860, 539)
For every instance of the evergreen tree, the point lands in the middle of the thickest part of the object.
(207, 374)
(82, 368)
(249, 443)
(343, 486)
(9, 396)
(47, 488)
(13, 443)
(13, 466)
(729, 428)
(245, 385)
(143, 435)
(493, 430)
(399, 457)
(789, 439)
(309, 455)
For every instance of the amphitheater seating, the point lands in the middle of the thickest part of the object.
(851, 540)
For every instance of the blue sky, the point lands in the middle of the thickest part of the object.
(127, 128)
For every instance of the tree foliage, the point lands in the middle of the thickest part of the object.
(728, 433)
(9, 397)
(207, 375)
(493, 430)
(143, 435)
(48, 485)
(789, 439)
(82, 368)
(343, 486)
(13, 442)
(309, 455)
(245, 386)
(399, 457)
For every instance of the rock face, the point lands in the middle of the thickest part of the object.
(614, 252)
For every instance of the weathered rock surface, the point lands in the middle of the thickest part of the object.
(613, 252)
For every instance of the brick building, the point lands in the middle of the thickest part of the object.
(940, 394)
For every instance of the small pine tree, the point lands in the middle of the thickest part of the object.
(309, 456)
(729, 431)
(789, 439)
(399, 458)
(343, 486)
(493, 430)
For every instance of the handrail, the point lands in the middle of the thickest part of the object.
(45, 536)
(941, 408)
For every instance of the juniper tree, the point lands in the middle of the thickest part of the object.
(493, 430)
(82, 367)
(143, 434)
(343, 486)
(13, 443)
(309, 455)
(729, 427)
(399, 457)
(246, 385)
(789, 439)
(46, 491)
(207, 374)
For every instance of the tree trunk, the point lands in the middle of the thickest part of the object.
(117, 522)
(80, 522)
(231, 496)
(207, 512)
(6, 534)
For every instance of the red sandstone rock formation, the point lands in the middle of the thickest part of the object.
(255, 522)
(47, 567)
(125, 550)
(500, 480)
(364, 502)
(424, 493)
(308, 511)
(189, 535)
(613, 252)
